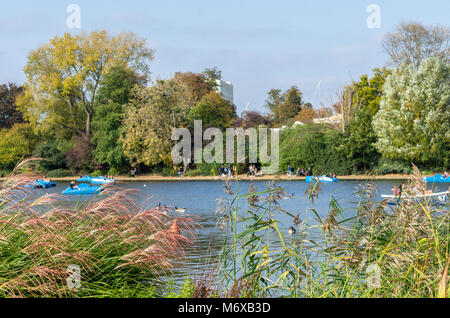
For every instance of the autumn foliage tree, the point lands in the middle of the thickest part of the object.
(64, 75)
(150, 117)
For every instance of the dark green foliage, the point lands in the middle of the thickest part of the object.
(9, 115)
(53, 151)
(317, 147)
(388, 166)
(168, 172)
(360, 143)
(285, 106)
(107, 123)
(59, 173)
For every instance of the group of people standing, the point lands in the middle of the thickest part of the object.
(300, 172)
(252, 171)
(229, 171)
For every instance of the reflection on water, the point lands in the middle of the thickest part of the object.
(199, 199)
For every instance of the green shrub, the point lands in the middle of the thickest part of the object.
(168, 172)
(387, 166)
(59, 173)
(97, 173)
(53, 152)
(315, 146)
(113, 172)
(194, 173)
(209, 169)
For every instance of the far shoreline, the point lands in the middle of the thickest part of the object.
(243, 177)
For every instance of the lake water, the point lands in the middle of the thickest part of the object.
(199, 199)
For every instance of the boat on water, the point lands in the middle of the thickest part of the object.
(95, 180)
(321, 179)
(86, 178)
(83, 189)
(434, 198)
(437, 178)
(41, 184)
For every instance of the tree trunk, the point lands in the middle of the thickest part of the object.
(88, 124)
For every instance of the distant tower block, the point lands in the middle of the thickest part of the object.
(225, 89)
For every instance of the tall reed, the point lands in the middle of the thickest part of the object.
(379, 251)
(121, 249)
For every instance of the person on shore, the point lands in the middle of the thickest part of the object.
(250, 171)
(133, 172)
(308, 172)
(234, 171)
(254, 171)
(180, 172)
(289, 171)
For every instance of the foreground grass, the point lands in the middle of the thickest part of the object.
(402, 251)
(120, 249)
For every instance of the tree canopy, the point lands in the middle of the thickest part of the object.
(284, 106)
(413, 122)
(413, 42)
(150, 118)
(9, 114)
(213, 111)
(112, 97)
(64, 75)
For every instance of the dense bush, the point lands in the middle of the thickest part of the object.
(387, 166)
(97, 173)
(16, 144)
(59, 173)
(168, 172)
(317, 147)
(54, 153)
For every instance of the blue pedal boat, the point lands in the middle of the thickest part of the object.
(321, 179)
(83, 189)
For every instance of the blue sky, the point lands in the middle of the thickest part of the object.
(317, 45)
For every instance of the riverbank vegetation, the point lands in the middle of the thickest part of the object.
(90, 106)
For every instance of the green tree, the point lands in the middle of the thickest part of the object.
(413, 122)
(63, 76)
(366, 98)
(212, 75)
(113, 95)
(214, 111)
(150, 118)
(285, 106)
(16, 144)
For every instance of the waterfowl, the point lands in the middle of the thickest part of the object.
(289, 196)
(292, 230)
(181, 210)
